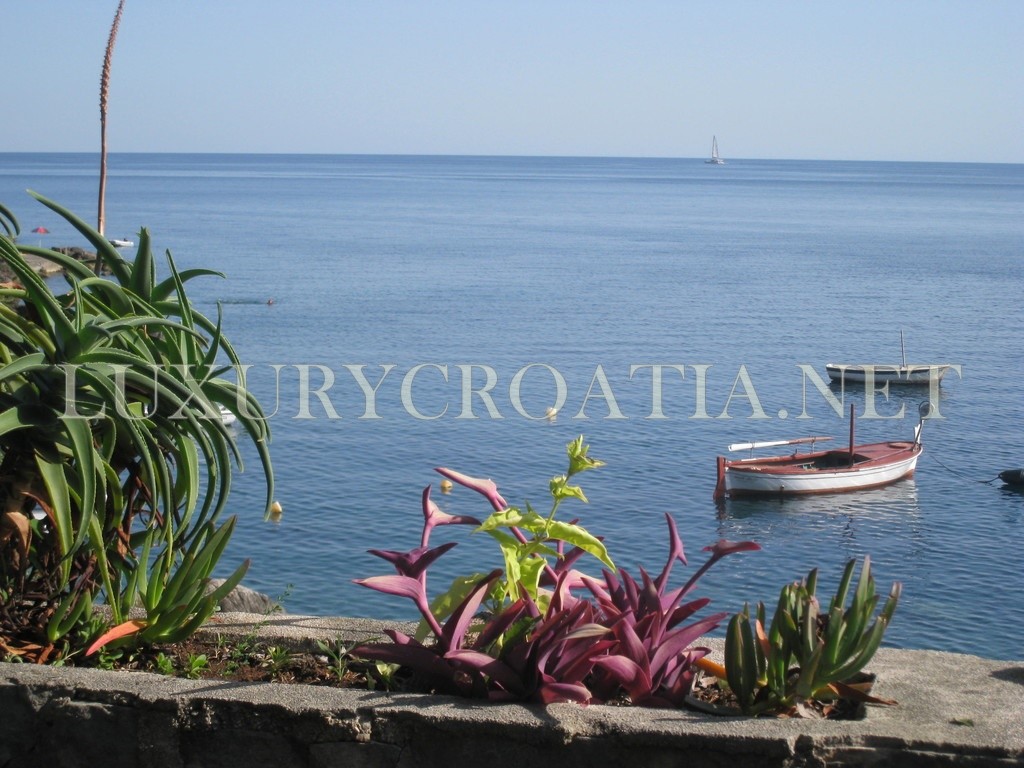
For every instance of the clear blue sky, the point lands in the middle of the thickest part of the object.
(867, 80)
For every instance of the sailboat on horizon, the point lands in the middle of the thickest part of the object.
(715, 159)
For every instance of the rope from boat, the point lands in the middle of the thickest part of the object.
(963, 476)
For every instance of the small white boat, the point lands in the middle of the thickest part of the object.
(909, 375)
(122, 243)
(715, 159)
(854, 468)
(916, 374)
(226, 416)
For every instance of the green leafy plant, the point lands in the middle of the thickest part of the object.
(381, 676)
(806, 654)
(115, 466)
(337, 655)
(164, 664)
(194, 665)
(276, 658)
(532, 545)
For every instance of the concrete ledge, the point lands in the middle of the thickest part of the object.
(953, 710)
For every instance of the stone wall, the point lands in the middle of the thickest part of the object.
(953, 710)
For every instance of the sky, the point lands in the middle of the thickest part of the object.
(905, 80)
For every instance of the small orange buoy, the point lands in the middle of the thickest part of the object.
(446, 486)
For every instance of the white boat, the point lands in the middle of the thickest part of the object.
(122, 243)
(226, 416)
(715, 159)
(907, 375)
(856, 467)
(916, 374)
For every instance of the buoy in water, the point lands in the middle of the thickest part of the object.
(1013, 476)
(446, 486)
(275, 512)
(551, 413)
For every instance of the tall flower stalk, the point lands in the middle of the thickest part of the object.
(104, 95)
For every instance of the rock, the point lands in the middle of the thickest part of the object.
(245, 600)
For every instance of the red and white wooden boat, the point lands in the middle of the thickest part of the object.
(831, 471)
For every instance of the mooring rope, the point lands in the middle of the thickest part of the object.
(963, 476)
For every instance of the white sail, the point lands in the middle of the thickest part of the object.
(715, 159)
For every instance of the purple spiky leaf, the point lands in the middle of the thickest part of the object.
(554, 693)
(499, 624)
(676, 552)
(577, 660)
(630, 644)
(481, 663)
(433, 516)
(683, 612)
(414, 562)
(633, 678)
(414, 656)
(455, 628)
(399, 585)
(675, 643)
(485, 487)
(718, 550)
(404, 586)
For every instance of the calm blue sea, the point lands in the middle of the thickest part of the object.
(475, 292)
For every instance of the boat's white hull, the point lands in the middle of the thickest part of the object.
(740, 480)
(917, 375)
(226, 416)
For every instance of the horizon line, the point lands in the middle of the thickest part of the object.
(698, 158)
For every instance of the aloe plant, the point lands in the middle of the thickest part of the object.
(115, 466)
(806, 654)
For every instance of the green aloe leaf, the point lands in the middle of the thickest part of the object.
(105, 252)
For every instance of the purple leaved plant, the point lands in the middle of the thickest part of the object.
(653, 658)
(565, 637)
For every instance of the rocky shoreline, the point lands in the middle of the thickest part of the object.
(44, 266)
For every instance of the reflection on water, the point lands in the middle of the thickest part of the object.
(801, 523)
(897, 499)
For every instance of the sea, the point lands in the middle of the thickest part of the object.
(402, 313)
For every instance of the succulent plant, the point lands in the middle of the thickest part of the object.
(806, 654)
(115, 466)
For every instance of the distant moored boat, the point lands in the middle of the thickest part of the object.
(889, 373)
